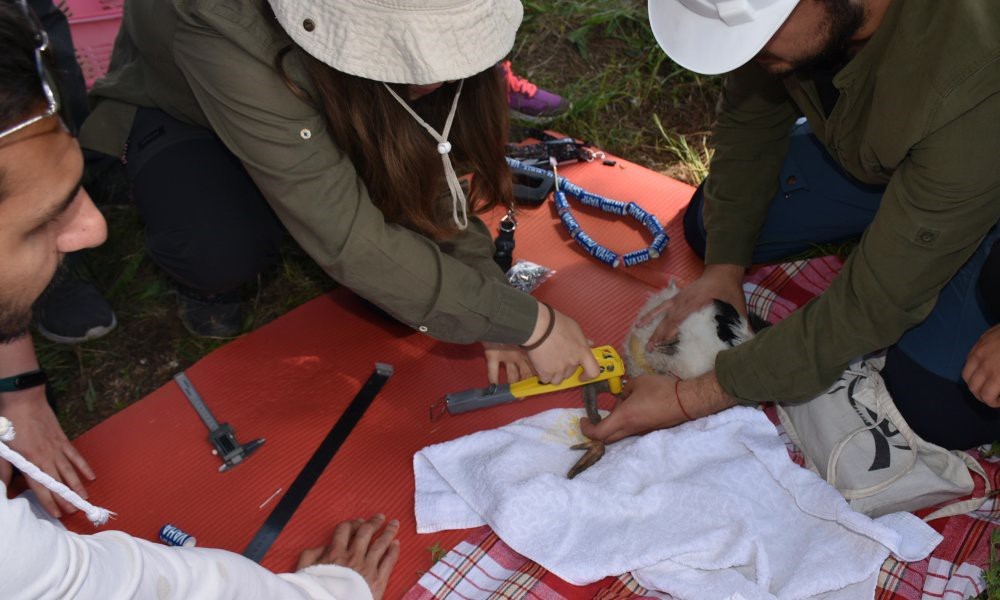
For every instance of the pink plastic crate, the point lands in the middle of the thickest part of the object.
(85, 10)
(94, 25)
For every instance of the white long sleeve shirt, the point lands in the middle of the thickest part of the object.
(41, 560)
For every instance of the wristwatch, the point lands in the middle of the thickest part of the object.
(23, 381)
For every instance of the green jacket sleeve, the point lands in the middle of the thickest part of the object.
(474, 247)
(751, 140)
(939, 205)
(315, 191)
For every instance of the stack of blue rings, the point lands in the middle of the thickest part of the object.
(617, 207)
(172, 535)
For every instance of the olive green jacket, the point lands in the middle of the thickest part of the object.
(919, 112)
(210, 63)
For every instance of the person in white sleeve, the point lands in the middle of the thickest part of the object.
(44, 214)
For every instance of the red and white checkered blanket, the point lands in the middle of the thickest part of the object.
(774, 291)
(484, 567)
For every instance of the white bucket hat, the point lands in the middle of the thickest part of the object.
(403, 41)
(716, 36)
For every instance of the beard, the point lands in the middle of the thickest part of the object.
(15, 319)
(843, 20)
(14, 322)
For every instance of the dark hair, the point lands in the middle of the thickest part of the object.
(396, 158)
(20, 89)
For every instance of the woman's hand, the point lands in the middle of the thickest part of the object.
(358, 545)
(724, 282)
(563, 350)
(982, 368)
(514, 360)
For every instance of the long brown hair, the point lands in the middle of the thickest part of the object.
(397, 159)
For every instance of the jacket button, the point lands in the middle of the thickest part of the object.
(308, 25)
(305, 134)
(422, 329)
(926, 236)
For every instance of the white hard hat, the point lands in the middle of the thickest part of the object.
(716, 36)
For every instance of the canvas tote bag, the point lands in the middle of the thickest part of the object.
(854, 437)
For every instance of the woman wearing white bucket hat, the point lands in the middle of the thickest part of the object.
(345, 123)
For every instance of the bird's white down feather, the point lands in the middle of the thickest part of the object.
(697, 344)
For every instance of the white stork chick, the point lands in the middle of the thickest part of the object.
(701, 336)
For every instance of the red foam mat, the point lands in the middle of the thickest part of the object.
(290, 381)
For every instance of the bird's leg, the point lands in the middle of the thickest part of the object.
(594, 448)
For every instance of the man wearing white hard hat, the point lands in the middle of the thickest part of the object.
(842, 120)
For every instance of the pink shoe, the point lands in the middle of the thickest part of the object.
(530, 103)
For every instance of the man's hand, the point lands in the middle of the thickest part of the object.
(41, 440)
(565, 349)
(356, 546)
(514, 360)
(651, 403)
(724, 282)
(982, 368)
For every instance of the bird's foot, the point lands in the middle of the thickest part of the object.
(594, 452)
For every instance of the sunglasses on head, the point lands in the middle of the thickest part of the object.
(41, 47)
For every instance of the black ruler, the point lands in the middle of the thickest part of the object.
(304, 481)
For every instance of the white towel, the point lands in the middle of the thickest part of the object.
(710, 509)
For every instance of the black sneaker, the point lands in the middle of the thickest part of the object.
(73, 311)
(218, 316)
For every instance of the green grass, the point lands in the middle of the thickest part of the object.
(992, 574)
(437, 552)
(694, 156)
(602, 56)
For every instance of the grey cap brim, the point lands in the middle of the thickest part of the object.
(708, 45)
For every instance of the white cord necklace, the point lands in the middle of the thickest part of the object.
(444, 148)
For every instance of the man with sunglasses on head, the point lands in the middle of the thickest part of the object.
(71, 309)
(45, 214)
(22, 383)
